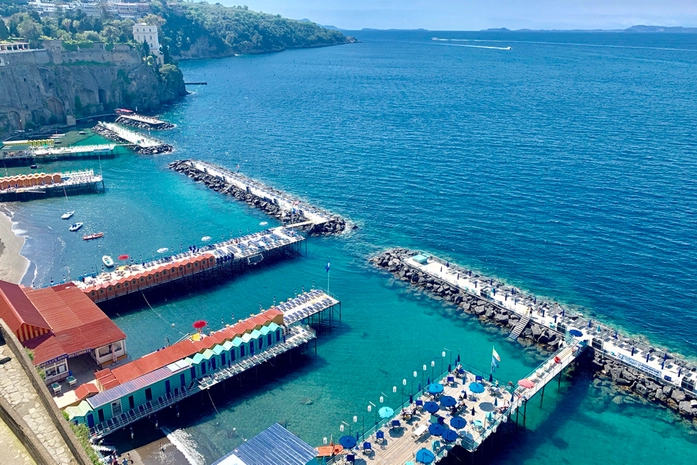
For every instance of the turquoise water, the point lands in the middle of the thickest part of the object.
(565, 166)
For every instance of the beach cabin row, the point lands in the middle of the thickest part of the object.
(152, 277)
(29, 180)
(121, 403)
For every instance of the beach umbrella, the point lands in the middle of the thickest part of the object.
(447, 401)
(123, 257)
(458, 422)
(476, 388)
(385, 412)
(435, 388)
(526, 383)
(200, 324)
(436, 429)
(450, 435)
(486, 406)
(450, 368)
(458, 358)
(431, 407)
(425, 456)
(490, 416)
(496, 402)
(347, 442)
(473, 411)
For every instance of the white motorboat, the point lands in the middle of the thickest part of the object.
(75, 226)
(108, 261)
(67, 215)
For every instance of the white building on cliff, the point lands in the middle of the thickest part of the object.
(146, 33)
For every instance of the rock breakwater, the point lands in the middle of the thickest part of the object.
(143, 150)
(269, 203)
(604, 361)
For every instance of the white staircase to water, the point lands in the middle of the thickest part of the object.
(519, 327)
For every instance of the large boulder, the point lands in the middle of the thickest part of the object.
(678, 395)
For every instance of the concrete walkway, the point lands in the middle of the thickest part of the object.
(11, 448)
(18, 391)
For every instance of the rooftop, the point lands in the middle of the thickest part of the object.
(274, 445)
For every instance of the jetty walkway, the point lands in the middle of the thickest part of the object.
(228, 256)
(141, 143)
(292, 211)
(41, 185)
(32, 155)
(143, 122)
(630, 362)
(462, 408)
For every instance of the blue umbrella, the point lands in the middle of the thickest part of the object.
(458, 422)
(431, 407)
(476, 388)
(447, 401)
(347, 442)
(436, 429)
(385, 412)
(435, 388)
(449, 435)
(425, 456)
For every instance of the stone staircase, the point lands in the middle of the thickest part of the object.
(519, 327)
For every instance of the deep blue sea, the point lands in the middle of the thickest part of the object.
(565, 166)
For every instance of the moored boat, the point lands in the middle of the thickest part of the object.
(89, 237)
(67, 215)
(108, 261)
(75, 226)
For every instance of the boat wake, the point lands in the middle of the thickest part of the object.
(185, 443)
(490, 47)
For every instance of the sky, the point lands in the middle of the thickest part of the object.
(470, 15)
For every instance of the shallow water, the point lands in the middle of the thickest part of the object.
(565, 166)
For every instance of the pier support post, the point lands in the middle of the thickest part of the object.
(542, 395)
(525, 412)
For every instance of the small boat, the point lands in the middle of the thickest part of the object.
(206, 238)
(90, 237)
(75, 226)
(108, 262)
(82, 133)
(162, 250)
(67, 215)
(263, 223)
(34, 167)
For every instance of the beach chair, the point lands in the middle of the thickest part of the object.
(350, 458)
(396, 424)
(436, 446)
(380, 436)
(367, 448)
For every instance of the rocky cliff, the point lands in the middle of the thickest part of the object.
(55, 85)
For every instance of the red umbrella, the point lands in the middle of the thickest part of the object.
(200, 324)
(123, 257)
(526, 383)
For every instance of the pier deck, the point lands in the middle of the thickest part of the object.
(654, 363)
(140, 142)
(293, 212)
(42, 185)
(145, 122)
(228, 255)
(305, 306)
(483, 412)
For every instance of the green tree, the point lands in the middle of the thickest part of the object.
(4, 33)
(30, 30)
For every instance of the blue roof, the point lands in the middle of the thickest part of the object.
(117, 392)
(273, 446)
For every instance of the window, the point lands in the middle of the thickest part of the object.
(115, 409)
(261, 343)
(203, 368)
(232, 355)
(242, 350)
(148, 394)
(192, 370)
(182, 380)
(103, 351)
(117, 346)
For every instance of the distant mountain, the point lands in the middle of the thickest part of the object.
(668, 29)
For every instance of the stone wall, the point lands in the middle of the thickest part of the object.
(55, 417)
(603, 367)
(55, 86)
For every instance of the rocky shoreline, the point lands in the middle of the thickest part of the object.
(335, 225)
(155, 150)
(604, 368)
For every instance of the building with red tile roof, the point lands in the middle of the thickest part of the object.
(58, 323)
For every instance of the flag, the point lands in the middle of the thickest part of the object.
(495, 359)
(327, 267)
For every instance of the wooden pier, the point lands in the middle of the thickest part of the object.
(292, 211)
(41, 185)
(225, 257)
(483, 405)
(141, 143)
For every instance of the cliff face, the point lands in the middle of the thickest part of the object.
(57, 86)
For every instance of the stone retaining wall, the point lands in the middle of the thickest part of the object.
(26, 436)
(603, 367)
(335, 225)
(77, 453)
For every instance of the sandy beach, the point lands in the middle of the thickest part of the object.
(13, 266)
